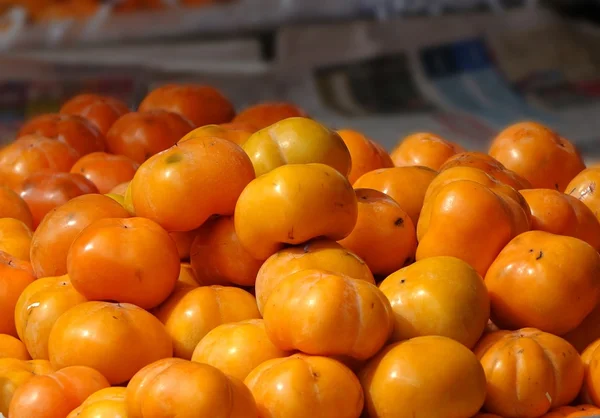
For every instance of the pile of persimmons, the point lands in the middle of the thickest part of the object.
(187, 261)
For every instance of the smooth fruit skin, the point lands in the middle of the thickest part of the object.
(15, 276)
(438, 296)
(11, 347)
(316, 254)
(12, 206)
(237, 348)
(237, 136)
(140, 135)
(538, 154)
(584, 188)
(586, 332)
(105, 403)
(406, 185)
(179, 388)
(100, 110)
(470, 221)
(57, 394)
(14, 373)
(562, 214)
(39, 307)
(424, 149)
(45, 191)
(528, 372)
(305, 386)
(73, 130)
(590, 391)
(424, 377)
(105, 170)
(57, 231)
(384, 235)
(293, 204)
(266, 114)
(130, 260)
(31, 154)
(214, 247)
(488, 164)
(297, 141)
(199, 104)
(15, 238)
(215, 171)
(190, 313)
(563, 269)
(366, 154)
(115, 339)
(303, 313)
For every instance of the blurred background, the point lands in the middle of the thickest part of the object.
(460, 68)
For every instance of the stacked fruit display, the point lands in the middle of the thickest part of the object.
(187, 261)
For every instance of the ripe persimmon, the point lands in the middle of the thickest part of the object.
(100, 110)
(105, 170)
(424, 149)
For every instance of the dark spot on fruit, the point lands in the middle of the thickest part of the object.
(363, 197)
(556, 186)
(316, 375)
(531, 250)
(174, 158)
(399, 222)
(372, 305)
(402, 281)
(115, 317)
(291, 233)
(520, 351)
(540, 255)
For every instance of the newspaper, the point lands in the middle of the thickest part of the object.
(463, 77)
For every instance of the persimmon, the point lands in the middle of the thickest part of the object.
(449, 295)
(358, 331)
(424, 149)
(586, 332)
(430, 376)
(316, 254)
(366, 154)
(384, 235)
(573, 412)
(11, 347)
(538, 154)
(100, 110)
(215, 246)
(107, 402)
(12, 206)
(15, 276)
(199, 104)
(39, 306)
(14, 373)
(175, 387)
(563, 269)
(105, 170)
(215, 171)
(15, 238)
(266, 114)
(486, 415)
(115, 339)
(293, 204)
(131, 260)
(190, 313)
(590, 391)
(183, 242)
(140, 135)
(488, 164)
(562, 214)
(45, 191)
(241, 126)
(476, 221)
(55, 234)
(237, 348)
(120, 189)
(187, 275)
(303, 386)
(583, 187)
(235, 135)
(32, 154)
(528, 372)
(297, 141)
(73, 130)
(406, 185)
(55, 395)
